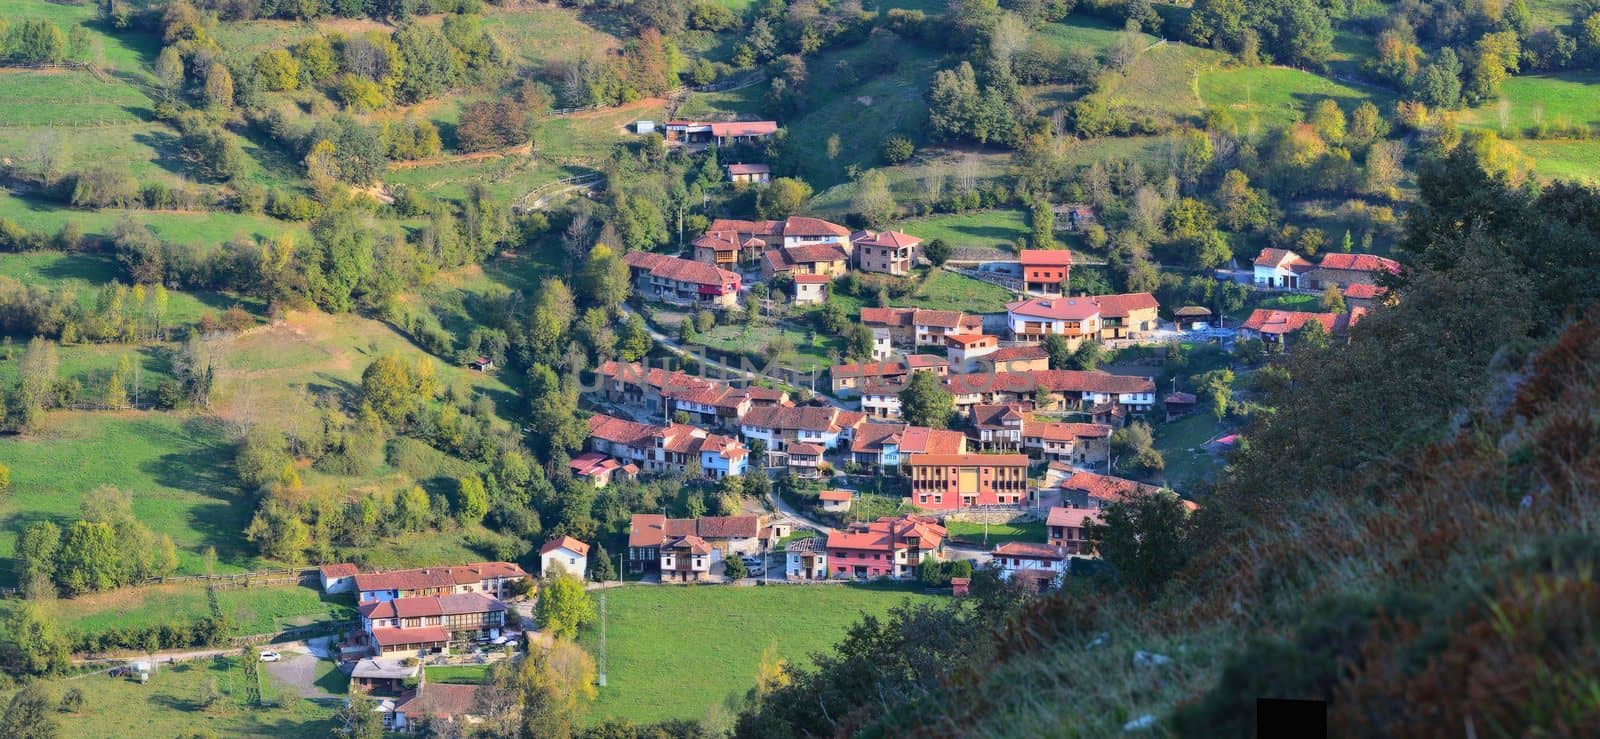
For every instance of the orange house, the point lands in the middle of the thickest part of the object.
(954, 481)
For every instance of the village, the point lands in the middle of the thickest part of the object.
(892, 467)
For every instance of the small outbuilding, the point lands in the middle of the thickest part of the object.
(1178, 404)
(338, 578)
(566, 553)
(1193, 317)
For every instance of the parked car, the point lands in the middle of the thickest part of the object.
(751, 560)
(270, 657)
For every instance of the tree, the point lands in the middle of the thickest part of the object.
(5, 478)
(216, 156)
(859, 341)
(277, 70)
(1134, 446)
(357, 718)
(32, 644)
(72, 701)
(1328, 121)
(600, 567)
(472, 500)
(1332, 299)
(782, 198)
(90, 558)
(897, 149)
(30, 715)
(604, 279)
(925, 401)
(386, 385)
(734, 568)
(937, 251)
(873, 199)
(1143, 538)
(169, 73)
(1216, 391)
(219, 87)
(556, 686)
(1059, 350)
(563, 606)
(1087, 357)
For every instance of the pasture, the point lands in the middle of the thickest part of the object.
(998, 229)
(867, 106)
(673, 652)
(176, 466)
(1562, 101)
(1267, 98)
(973, 533)
(170, 705)
(265, 610)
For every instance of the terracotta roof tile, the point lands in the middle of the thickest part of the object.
(1359, 262)
(1045, 258)
(565, 542)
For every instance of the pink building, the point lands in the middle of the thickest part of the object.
(888, 547)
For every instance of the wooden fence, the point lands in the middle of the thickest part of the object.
(259, 579)
(525, 202)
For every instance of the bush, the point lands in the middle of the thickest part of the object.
(897, 149)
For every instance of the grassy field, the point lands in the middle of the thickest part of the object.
(1028, 531)
(805, 355)
(950, 291)
(1000, 229)
(1564, 160)
(1265, 98)
(86, 273)
(255, 610)
(177, 467)
(675, 651)
(536, 35)
(198, 228)
(169, 705)
(459, 674)
(909, 182)
(869, 112)
(1159, 83)
(1561, 100)
(1180, 445)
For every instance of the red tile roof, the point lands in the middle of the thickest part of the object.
(718, 241)
(694, 544)
(1045, 258)
(868, 369)
(1359, 262)
(343, 569)
(995, 416)
(566, 542)
(939, 318)
(1074, 381)
(1282, 258)
(619, 430)
(1060, 309)
(744, 128)
(749, 169)
(802, 226)
(755, 228)
(923, 440)
(1120, 306)
(888, 534)
(1104, 487)
(439, 700)
(803, 418)
(836, 496)
(1277, 322)
(1361, 291)
(652, 529)
(1059, 431)
(871, 437)
(804, 450)
(1013, 353)
(679, 269)
(893, 317)
(813, 253)
(889, 239)
(1071, 517)
(926, 361)
(965, 339)
(1029, 550)
(813, 279)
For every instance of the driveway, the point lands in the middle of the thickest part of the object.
(299, 671)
